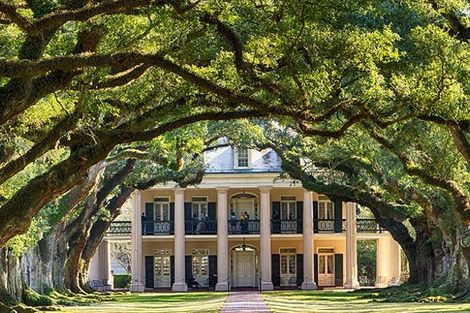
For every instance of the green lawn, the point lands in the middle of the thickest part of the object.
(156, 302)
(339, 301)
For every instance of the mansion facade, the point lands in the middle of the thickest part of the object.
(244, 226)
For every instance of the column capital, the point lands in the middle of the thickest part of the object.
(265, 188)
(221, 189)
(137, 192)
(178, 190)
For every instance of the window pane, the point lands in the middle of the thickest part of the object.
(242, 157)
(283, 210)
(321, 210)
(204, 265)
(292, 211)
(330, 264)
(330, 210)
(283, 264)
(321, 264)
(292, 264)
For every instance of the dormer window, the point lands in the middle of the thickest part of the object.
(242, 158)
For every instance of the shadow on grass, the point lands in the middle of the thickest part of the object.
(166, 297)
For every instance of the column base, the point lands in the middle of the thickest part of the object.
(309, 285)
(179, 287)
(221, 286)
(265, 285)
(351, 285)
(137, 287)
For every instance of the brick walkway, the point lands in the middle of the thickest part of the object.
(245, 301)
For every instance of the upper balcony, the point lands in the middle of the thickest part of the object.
(240, 227)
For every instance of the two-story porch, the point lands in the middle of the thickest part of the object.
(249, 235)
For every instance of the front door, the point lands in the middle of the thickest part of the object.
(326, 270)
(162, 269)
(244, 268)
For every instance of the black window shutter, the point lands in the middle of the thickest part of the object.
(212, 215)
(148, 227)
(338, 270)
(338, 216)
(172, 269)
(149, 273)
(188, 266)
(315, 268)
(276, 269)
(211, 208)
(187, 211)
(188, 218)
(315, 216)
(300, 269)
(276, 217)
(300, 217)
(212, 270)
(172, 218)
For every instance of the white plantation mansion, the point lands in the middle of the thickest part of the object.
(242, 226)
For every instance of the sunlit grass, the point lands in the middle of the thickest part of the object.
(156, 302)
(341, 301)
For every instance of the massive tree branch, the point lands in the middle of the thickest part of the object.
(461, 200)
(47, 143)
(10, 11)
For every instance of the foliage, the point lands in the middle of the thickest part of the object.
(122, 281)
(366, 262)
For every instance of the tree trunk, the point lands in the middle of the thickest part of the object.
(11, 277)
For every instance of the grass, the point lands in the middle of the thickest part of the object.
(351, 302)
(155, 302)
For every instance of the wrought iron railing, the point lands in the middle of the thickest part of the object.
(366, 225)
(157, 228)
(201, 227)
(120, 228)
(243, 227)
(329, 225)
(286, 226)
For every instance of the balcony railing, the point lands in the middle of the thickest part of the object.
(208, 227)
(201, 227)
(157, 228)
(368, 226)
(286, 226)
(329, 225)
(119, 228)
(243, 227)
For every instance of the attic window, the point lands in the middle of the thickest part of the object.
(242, 158)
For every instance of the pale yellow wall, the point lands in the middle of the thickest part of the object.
(292, 243)
(276, 193)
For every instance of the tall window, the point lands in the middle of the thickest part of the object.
(288, 208)
(288, 261)
(162, 209)
(326, 261)
(325, 209)
(242, 158)
(199, 208)
(200, 262)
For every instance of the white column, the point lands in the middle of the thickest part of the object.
(351, 247)
(309, 282)
(180, 280)
(388, 261)
(137, 284)
(222, 240)
(106, 262)
(265, 238)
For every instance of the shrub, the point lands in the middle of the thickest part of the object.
(122, 281)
